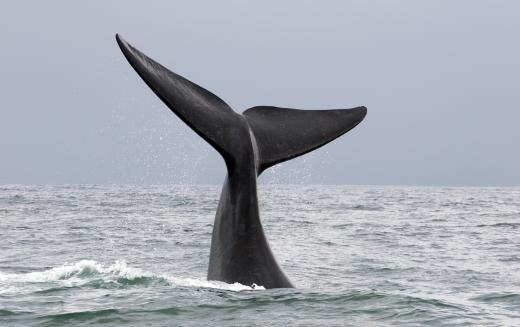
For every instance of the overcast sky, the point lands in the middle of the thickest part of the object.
(440, 79)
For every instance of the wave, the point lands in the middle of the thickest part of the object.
(91, 272)
(506, 225)
(497, 297)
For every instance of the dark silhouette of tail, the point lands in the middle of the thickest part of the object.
(250, 143)
(280, 133)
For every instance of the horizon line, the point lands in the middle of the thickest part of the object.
(261, 184)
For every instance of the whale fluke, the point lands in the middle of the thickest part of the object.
(207, 114)
(282, 134)
(249, 143)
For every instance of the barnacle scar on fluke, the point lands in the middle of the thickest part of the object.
(250, 143)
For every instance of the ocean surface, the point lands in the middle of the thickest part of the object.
(117, 255)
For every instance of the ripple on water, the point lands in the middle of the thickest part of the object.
(360, 255)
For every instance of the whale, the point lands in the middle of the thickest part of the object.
(249, 142)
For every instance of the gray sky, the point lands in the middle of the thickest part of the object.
(440, 80)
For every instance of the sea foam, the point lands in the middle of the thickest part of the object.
(83, 271)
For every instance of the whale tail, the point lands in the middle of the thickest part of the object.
(280, 133)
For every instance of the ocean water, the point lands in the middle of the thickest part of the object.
(87, 255)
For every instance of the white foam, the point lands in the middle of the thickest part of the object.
(192, 282)
(82, 271)
(78, 270)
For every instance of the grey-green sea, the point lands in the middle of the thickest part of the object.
(123, 255)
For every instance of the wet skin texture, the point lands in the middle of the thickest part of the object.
(249, 143)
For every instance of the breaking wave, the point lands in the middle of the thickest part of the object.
(87, 271)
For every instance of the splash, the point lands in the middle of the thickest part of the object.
(83, 271)
(80, 270)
